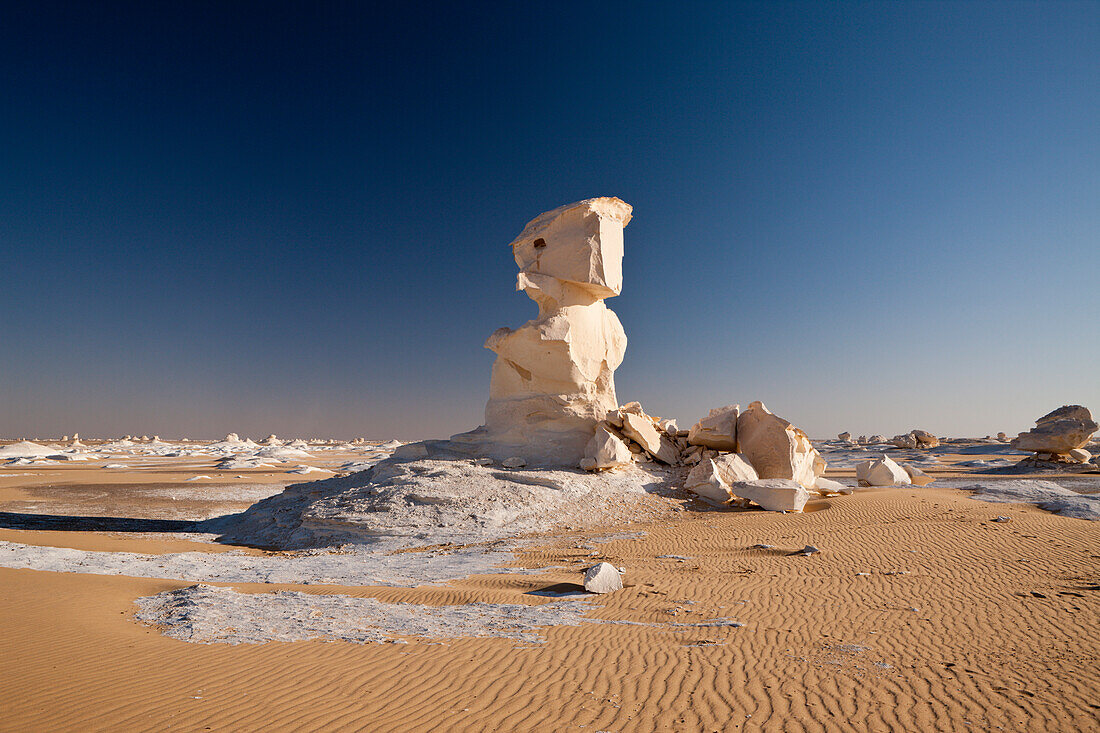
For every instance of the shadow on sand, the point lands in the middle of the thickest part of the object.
(65, 523)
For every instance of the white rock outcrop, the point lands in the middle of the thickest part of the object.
(553, 378)
(1059, 432)
(881, 472)
(718, 430)
(777, 449)
(603, 578)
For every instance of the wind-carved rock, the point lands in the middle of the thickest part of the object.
(553, 378)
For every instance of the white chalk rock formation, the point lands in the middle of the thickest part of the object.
(777, 449)
(718, 430)
(1059, 432)
(881, 472)
(774, 495)
(553, 377)
(603, 578)
(26, 449)
(606, 450)
(921, 439)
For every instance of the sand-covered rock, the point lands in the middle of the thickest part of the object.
(445, 499)
(603, 578)
(26, 449)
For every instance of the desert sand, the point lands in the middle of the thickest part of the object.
(918, 613)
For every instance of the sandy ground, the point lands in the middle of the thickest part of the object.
(919, 613)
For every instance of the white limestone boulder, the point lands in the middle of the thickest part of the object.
(775, 448)
(881, 472)
(718, 430)
(828, 486)
(774, 495)
(603, 578)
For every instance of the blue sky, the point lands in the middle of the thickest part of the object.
(294, 218)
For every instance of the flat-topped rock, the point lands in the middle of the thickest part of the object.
(1058, 432)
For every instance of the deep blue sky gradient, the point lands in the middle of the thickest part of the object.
(294, 217)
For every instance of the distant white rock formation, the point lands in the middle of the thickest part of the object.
(1058, 434)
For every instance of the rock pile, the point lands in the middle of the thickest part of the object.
(754, 455)
(920, 439)
(1058, 438)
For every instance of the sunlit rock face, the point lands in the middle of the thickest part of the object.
(553, 378)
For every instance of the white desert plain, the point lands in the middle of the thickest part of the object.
(574, 564)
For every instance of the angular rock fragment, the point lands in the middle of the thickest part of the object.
(718, 430)
(774, 495)
(733, 467)
(641, 430)
(606, 450)
(706, 482)
(881, 472)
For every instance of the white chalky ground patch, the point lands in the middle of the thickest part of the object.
(352, 566)
(208, 614)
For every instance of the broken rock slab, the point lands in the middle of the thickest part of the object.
(603, 578)
(774, 495)
(657, 443)
(916, 476)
